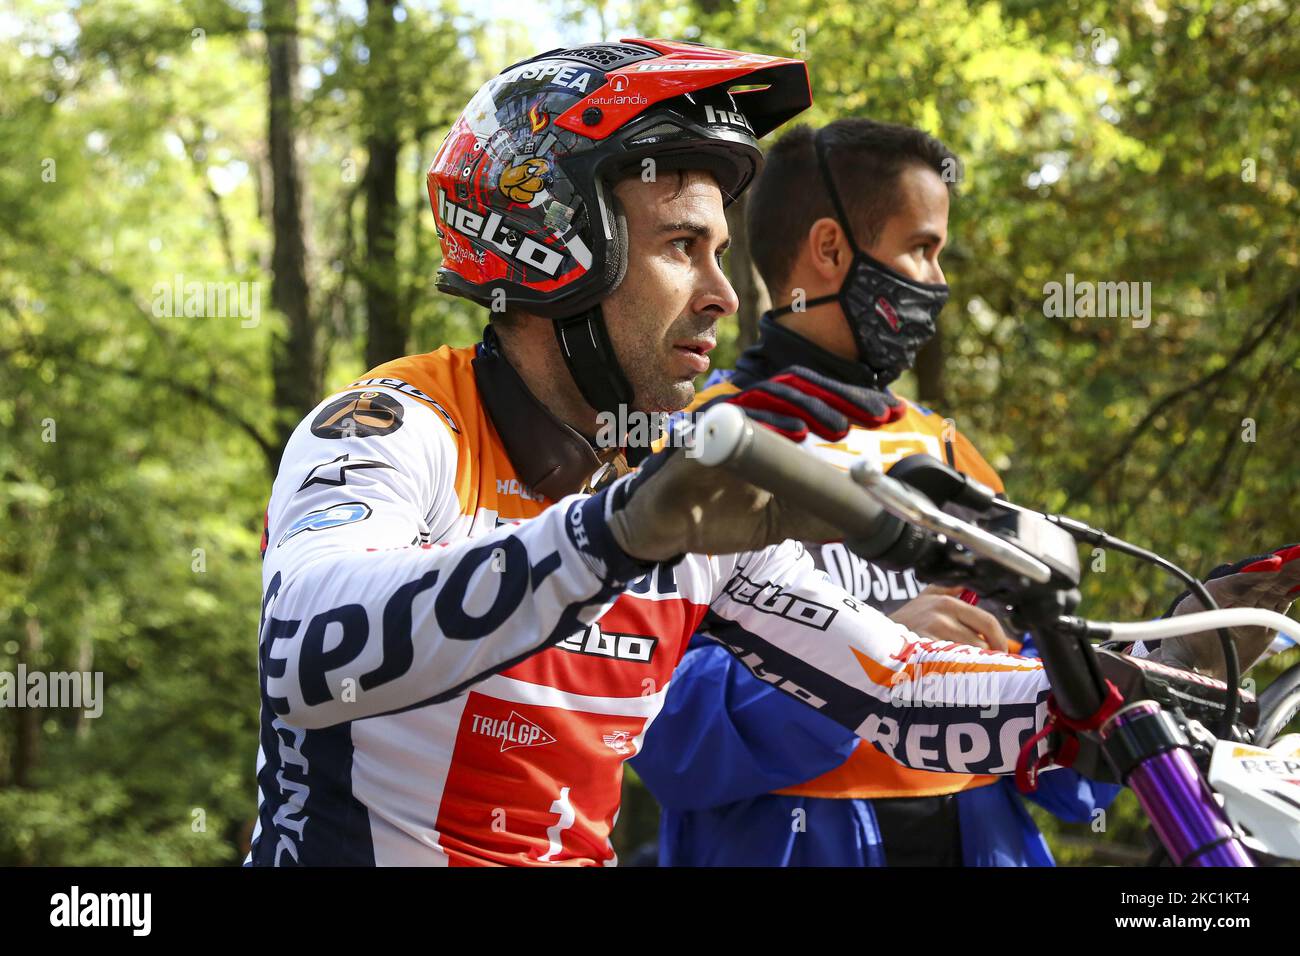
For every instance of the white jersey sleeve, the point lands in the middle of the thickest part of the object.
(362, 616)
(931, 705)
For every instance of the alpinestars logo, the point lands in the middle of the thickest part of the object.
(513, 732)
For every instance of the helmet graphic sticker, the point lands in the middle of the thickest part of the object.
(521, 187)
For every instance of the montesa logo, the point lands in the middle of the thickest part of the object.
(726, 118)
(513, 731)
(623, 647)
(524, 250)
(397, 385)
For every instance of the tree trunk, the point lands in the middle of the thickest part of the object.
(744, 279)
(85, 663)
(929, 373)
(295, 354)
(28, 736)
(388, 325)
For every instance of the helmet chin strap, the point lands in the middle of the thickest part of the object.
(589, 354)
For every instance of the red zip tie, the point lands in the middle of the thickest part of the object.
(1028, 767)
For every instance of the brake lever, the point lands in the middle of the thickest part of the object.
(910, 505)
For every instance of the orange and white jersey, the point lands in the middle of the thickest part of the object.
(453, 670)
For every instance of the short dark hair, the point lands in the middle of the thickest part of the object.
(865, 157)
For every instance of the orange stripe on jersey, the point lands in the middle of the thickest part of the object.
(882, 676)
(444, 377)
(879, 674)
(870, 774)
(915, 671)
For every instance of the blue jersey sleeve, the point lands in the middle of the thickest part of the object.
(1072, 798)
(724, 735)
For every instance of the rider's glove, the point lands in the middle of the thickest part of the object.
(800, 399)
(1267, 581)
(674, 505)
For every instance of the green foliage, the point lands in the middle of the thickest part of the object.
(136, 459)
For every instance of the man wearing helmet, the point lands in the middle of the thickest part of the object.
(539, 172)
(470, 614)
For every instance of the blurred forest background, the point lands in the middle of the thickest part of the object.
(145, 144)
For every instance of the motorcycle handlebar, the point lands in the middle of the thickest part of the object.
(882, 518)
(726, 437)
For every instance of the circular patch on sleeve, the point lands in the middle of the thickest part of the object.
(358, 415)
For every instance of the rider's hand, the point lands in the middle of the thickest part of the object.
(1267, 581)
(800, 399)
(674, 505)
(938, 613)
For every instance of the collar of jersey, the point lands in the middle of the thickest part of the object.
(548, 456)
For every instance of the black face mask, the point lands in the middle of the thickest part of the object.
(890, 315)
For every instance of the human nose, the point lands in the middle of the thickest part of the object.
(716, 291)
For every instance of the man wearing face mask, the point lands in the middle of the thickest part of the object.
(846, 227)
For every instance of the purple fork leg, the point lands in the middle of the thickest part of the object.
(1178, 801)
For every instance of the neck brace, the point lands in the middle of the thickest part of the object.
(550, 457)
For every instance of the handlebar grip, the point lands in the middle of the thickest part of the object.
(726, 437)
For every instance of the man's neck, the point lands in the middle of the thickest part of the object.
(824, 325)
(537, 360)
(780, 347)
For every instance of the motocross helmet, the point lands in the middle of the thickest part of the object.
(522, 187)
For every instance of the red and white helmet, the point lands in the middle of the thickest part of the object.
(521, 187)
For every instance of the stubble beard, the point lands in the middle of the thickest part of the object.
(646, 364)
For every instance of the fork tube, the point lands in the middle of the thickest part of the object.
(1170, 787)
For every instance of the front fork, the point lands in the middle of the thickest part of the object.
(1153, 757)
